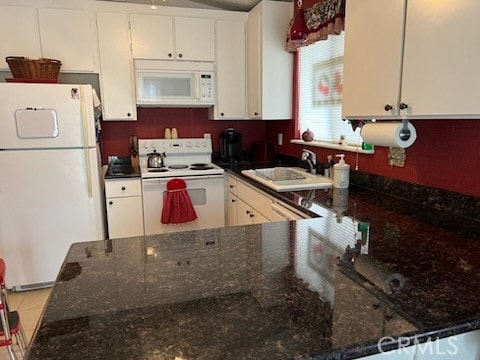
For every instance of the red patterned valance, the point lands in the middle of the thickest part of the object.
(322, 19)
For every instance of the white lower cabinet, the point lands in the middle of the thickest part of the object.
(248, 205)
(249, 215)
(464, 346)
(124, 208)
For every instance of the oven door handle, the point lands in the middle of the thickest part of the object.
(186, 178)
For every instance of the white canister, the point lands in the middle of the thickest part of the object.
(341, 173)
(167, 134)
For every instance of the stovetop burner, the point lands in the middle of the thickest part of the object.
(162, 169)
(178, 166)
(200, 167)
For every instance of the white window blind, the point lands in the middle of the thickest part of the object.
(320, 91)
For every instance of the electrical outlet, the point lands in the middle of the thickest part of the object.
(280, 139)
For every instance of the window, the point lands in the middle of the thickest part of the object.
(320, 92)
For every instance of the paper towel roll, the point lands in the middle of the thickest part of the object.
(374, 272)
(387, 134)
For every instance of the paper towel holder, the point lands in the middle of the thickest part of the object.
(405, 132)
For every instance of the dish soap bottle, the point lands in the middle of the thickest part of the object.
(341, 173)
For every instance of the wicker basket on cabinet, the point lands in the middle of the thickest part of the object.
(43, 68)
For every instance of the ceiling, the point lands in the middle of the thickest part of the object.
(233, 5)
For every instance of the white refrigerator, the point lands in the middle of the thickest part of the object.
(51, 192)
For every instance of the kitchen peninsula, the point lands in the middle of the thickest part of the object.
(278, 290)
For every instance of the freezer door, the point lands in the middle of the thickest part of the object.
(45, 207)
(46, 116)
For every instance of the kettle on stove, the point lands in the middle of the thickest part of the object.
(231, 145)
(155, 160)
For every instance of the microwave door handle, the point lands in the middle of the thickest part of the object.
(197, 86)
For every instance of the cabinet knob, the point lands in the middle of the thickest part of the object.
(247, 211)
(123, 188)
(231, 186)
(233, 200)
(388, 107)
(222, 114)
(252, 215)
(129, 114)
(256, 113)
(180, 55)
(110, 203)
(179, 263)
(376, 306)
(388, 317)
(169, 55)
(403, 106)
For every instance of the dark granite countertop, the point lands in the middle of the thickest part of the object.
(279, 290)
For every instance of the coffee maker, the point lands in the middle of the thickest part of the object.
(231, 145)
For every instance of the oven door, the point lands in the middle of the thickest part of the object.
(208, 199)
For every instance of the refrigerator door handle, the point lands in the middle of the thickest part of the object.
(88, 164)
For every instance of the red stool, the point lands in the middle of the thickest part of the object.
(10, 321)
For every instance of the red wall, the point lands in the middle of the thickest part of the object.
(190, 123)
(445, 155)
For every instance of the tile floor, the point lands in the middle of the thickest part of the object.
(30, 305)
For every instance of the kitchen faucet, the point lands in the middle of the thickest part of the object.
(311, 159)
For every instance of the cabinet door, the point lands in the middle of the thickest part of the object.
(254, 59)
(152, 37)
(277, 64)
(19, 33)
(245, 213)
(351, 301)
(67, 36)
(116, 67)
(232, 209)
(441, 62)
(194, 39)
(231, 70)
(124, 216)
(457, 347)
(372, 60)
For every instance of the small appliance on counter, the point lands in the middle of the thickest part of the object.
(230, 145)
(121, 167)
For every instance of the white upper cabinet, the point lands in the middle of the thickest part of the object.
(116, 67)
(61, 34)
(66, 35)
(19, 33)
(195, 39)
(416, 61)
(373, 58)
(152, 37)
(231, 70)
(172, 38)
(270, 67)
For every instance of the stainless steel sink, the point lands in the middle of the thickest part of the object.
(288, 179)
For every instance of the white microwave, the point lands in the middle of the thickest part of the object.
(174, 83)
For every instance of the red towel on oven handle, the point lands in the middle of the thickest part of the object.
(177, 205)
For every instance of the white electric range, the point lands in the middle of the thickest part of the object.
(190, 160)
